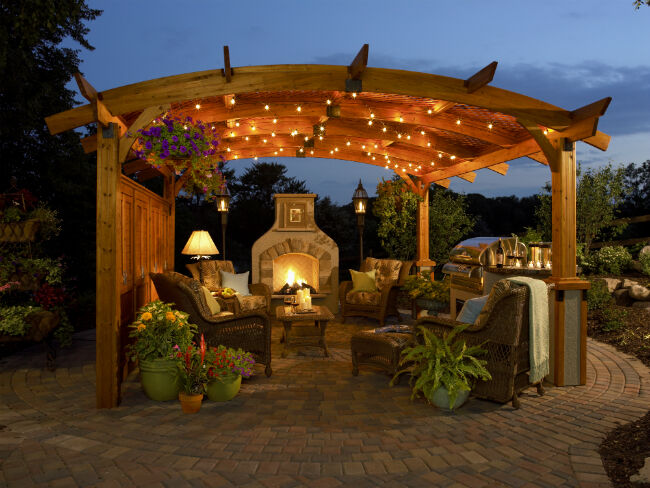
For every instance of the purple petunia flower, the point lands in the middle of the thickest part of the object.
(173, 147)
(183, 149)
(148, 145)
(187, 136)
(175, 138)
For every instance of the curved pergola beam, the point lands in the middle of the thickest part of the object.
(278, 78)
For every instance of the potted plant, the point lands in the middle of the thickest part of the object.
(156, 330)
(226, 368)
(427, 293)
(443, 369)
(189, 146)
(193, 375)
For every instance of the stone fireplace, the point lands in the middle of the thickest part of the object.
(296, 250)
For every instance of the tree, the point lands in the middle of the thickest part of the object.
(396, 208)
(638, 3)
(34, 71)
(637, 197)
(449, 222)
(599, 194)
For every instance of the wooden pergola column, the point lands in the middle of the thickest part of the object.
(422, 226)
(107, 246)
(568, 312)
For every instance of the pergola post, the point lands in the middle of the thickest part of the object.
(568, 309)
(107, 245)
(422, 229)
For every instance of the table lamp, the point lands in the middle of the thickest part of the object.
(200, 245)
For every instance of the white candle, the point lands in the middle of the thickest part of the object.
(301, 303)
(530, 264)
(307, 303)
(306, 292)
(299, 295)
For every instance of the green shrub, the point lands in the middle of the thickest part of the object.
(644, 259)
(611, 260)
(12, 319)
(598, 296)
(612, 318)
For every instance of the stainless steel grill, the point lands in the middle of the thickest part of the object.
(469, 258)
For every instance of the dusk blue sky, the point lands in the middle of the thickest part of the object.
(568, 53)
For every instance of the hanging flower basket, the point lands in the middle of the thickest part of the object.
(188, 146)
(19, 231)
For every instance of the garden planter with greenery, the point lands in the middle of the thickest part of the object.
(442, 369)
(158, 329)
(226, 367)
(428, 294)
(193, 375)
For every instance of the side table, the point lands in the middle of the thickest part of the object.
(305, 333)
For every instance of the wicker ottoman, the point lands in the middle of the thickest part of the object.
(382, 350)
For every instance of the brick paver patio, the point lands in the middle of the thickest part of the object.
(311, 424)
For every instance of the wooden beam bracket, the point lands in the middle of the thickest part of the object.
(227, 71)
(86, 89)
(353, 86)
(544, 143)
(355, 70)
(481, 78)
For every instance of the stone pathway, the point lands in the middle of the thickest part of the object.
(311, 424)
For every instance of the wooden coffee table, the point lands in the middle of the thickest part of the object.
(304, 333)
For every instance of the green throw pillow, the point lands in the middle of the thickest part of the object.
(363, 281)
(213, 304)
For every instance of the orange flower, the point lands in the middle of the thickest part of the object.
(170, 316)
(141, 327)
(146, 316)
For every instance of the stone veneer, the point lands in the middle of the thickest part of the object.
(298, 236)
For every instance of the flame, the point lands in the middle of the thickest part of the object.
(291, 278)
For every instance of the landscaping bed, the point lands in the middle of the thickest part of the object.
(625, 449)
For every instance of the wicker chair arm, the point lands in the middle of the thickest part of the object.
(231, 320)
(439, 321)
(264, 290)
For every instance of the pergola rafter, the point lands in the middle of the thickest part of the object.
(427, 128)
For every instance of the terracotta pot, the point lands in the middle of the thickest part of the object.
(190, 403)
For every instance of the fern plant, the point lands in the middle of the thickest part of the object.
(444, 363)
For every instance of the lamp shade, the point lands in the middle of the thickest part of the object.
(200, 243)
(360, 199)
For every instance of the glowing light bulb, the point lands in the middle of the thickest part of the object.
(490, 125)
(373, 158)
(236, 124)
(545, 132)
(185, 127)
(401, 119)
(253, 128)
(429, 111)
(428, 144)
(281, 149)
(213, 127)
(329, 102)
(322, 127)
(320, 138)
(331, 152)
(272, 134)
(264, 141)
(363, 146)
(275, 121)
(232, 134)
(372, 115)
(236, 157)
(228, 149)
(312, 151)
(306, 138)
(354, 94)
(457, 121)
(347, 143)
(452, 158)
(255, 158)
(266, 107)
(439, 155)
(302, 150)
(384, 129)
(385, 156)
(299, 108)
(198, 106)
(432, 163)
(232, 101)
(370, 122)
(368, 153)
(376, 146)
(399, 136)
(246, 137)
(276, 153)
(408, 137)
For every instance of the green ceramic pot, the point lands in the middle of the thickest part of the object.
(159, 378)
(224, 389)
(440, 398)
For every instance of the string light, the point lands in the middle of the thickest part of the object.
(329, 102)
(232, 101)
(246, 137)
(198, 106)
(421, 132)
(264, 140)
(213, 127)
(384, 129)
(281, 149)
(331, 152)
(457, 121)
(320, 138)
(228, 149)
(276, 153)
(375, 146)
(322, 127)
(490, 126)
(399, 136)
(306, 138)
(236, 124)
(373, 158)
(363, 146)
(347, 143)
(272, 134)
(545, 132)
(275, 121)
(253, 128)
(312, 151)
(354, 94)
(408, 137)
(429, 111)
(401, 119)
(432, 163)
(336, 149)
(370, 122)
(232, 134)
(185, 127)
(236, 157)
(428, 144)
(369, 153)
(452, 157)
(299, 108)
(302, 150)
(372, 115)
(439, 155)
(255, 158)
(266, 107)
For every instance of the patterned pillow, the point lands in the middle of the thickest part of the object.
(387, 273)
(251, 302)
(500, 288)
(363, 298)
(209, 271)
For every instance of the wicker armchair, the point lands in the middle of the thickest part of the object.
(503, 330)
(390, 276)
(207, 273)
(250, 331)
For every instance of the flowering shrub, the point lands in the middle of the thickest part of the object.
(422, 285)
(224, 361)
(644, 259)
(187, 145)
(12, 319)
(157, 329)
(192, 367)
(49, 297)
(610, 260)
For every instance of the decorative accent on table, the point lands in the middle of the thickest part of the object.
(193, 375)
(441, 369)
(157, 330)
(226, 368)
(189, 146)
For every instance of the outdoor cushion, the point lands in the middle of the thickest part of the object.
(209, 271)
(363, 281)
(210, 301)
(500, 288)
(387, 271)
(471, 309)
(251, 302)
(238, 282)
(363, 298)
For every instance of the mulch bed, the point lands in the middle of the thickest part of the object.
(625, 449)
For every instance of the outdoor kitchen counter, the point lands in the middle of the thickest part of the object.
(492, 274)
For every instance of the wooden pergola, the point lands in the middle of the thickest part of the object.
(424, 127)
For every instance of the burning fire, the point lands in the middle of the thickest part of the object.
(291, 278)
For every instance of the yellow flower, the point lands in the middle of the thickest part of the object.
(146, 316)
(170, 316)
(141, 327)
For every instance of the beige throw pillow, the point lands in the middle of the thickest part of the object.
(212, 303)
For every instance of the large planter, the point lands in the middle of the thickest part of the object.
(19, 231)
(440, 398)
(224, 389)
(190, 403)
(159, 378)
